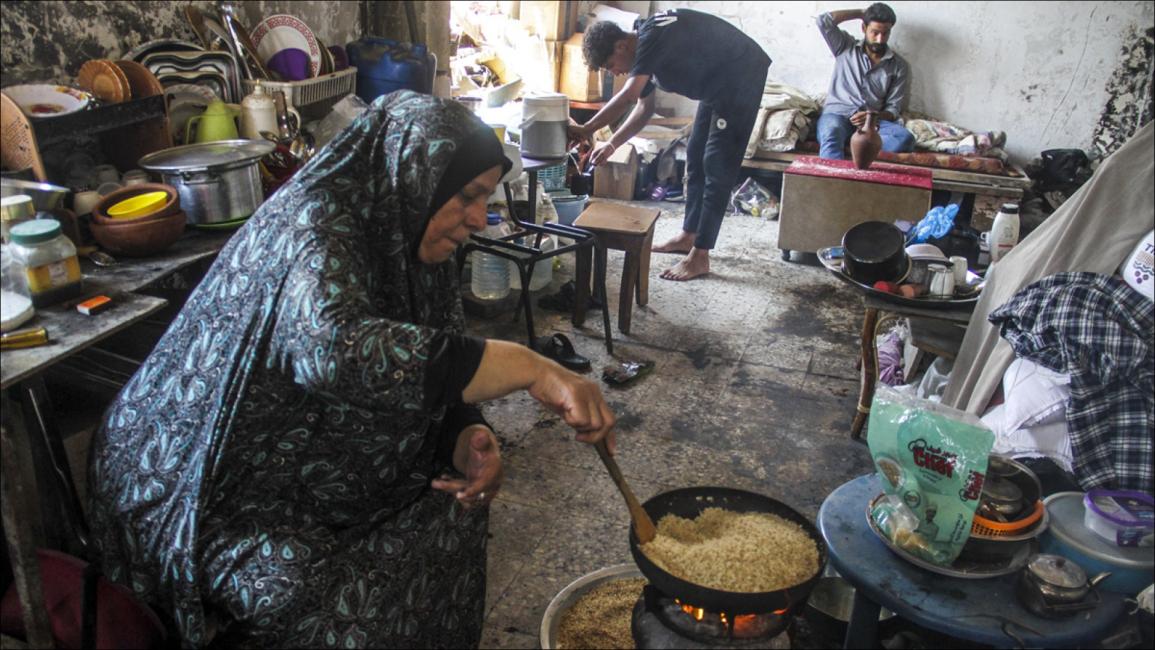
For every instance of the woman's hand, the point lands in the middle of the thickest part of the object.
(577, 400)
(478, 457)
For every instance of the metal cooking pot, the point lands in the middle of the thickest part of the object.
(217, 181)
(689, 503)
(875, 250)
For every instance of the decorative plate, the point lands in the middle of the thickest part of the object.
(104, 80)
(287, 46)
(47, 100)
(141, 82)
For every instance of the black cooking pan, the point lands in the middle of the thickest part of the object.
(689, 503)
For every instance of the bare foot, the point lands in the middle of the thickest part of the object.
(681, 243)
(695, 264)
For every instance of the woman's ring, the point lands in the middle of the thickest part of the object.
(480, 496)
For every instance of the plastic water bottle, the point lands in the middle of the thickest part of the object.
(490, 279)
(542, 270)
(1004, 231)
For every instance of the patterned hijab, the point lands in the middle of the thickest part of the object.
(382, 178)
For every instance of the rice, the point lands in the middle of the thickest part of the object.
(601, 617)
(744, 552)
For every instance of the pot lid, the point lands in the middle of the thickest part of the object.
(207, 154)
(1066, 511)
(1057, 571)
(1000, 490)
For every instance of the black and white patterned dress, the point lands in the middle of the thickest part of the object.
(270, 461)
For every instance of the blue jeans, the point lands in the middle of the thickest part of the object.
(834, 132)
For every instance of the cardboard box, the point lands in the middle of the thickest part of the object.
(553, 20)
(617, 178)
(578, 82)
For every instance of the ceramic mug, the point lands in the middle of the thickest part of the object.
(105, 174)
(135, 177)
(84, 202)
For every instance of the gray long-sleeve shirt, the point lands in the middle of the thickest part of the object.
(857, 82)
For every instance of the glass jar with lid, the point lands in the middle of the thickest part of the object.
(15, 299)
(49, 259)
(14, 210)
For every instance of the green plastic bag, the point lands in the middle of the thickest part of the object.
(932, 461)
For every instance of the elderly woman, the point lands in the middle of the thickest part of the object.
(274, 474)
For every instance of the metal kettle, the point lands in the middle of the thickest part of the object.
(1052, 585)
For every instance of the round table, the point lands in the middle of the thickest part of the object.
(984, 611)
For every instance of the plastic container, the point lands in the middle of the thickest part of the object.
(384, 65)
(542, 270)
(569, 207)
(1122, 517)
(543, 126)
(49, 260)
(490, 274)
(1132, 568)
(1004, 231)
(15, 299)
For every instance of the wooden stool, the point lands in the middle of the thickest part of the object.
(622, 228)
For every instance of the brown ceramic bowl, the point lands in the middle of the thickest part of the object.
(139, 238)
(100, 211)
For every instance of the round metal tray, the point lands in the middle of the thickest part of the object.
(551, 620)
(834, 265)
(960, 569)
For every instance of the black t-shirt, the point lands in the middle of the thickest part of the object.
(695, 55)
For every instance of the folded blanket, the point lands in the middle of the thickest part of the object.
(943, 137)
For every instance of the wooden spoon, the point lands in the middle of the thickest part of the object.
(643, 525)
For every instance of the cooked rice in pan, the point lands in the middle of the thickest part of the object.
(601, 617)
(744, 552)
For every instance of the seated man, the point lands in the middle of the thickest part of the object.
(868, 76)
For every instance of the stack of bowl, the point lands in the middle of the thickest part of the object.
(138, 220)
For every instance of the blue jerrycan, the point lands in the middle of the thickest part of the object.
(384, 65)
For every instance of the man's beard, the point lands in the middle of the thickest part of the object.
(876, 48)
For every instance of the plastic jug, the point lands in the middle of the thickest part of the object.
(384, 65)
(218, 122)
(490, 279)
(1004, 231)
(259, 113)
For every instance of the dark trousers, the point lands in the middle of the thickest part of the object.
(714, 156)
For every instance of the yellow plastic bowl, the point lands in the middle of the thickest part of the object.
(138, 206)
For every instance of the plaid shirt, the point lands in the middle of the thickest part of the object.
(1099, 330)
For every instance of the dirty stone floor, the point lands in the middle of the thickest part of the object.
(754, 388)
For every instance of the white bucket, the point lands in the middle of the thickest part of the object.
(543, 125)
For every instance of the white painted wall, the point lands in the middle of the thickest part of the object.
(1036, 70)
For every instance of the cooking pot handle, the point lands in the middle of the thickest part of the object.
(1100, 578)
(199, 177)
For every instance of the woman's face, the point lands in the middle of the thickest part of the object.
(461, 215)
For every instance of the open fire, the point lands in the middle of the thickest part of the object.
(742, 626)
(661, 621)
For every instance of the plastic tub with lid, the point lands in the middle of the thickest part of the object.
(1132, 568)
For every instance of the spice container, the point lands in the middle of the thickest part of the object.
(13, 210)
(15, 299)
(49, 260)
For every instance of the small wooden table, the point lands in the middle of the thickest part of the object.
(624, 228)
(869, 354)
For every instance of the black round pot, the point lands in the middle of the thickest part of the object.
(873, 251)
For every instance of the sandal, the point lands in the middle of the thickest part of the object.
(559, 348)
(563, 300)
(626, 371)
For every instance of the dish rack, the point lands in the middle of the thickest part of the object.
(312, 97)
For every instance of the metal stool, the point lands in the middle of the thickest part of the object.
(525, 257)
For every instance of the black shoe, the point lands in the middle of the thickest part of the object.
(559, 348)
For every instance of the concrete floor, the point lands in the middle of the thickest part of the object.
(754, 388)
